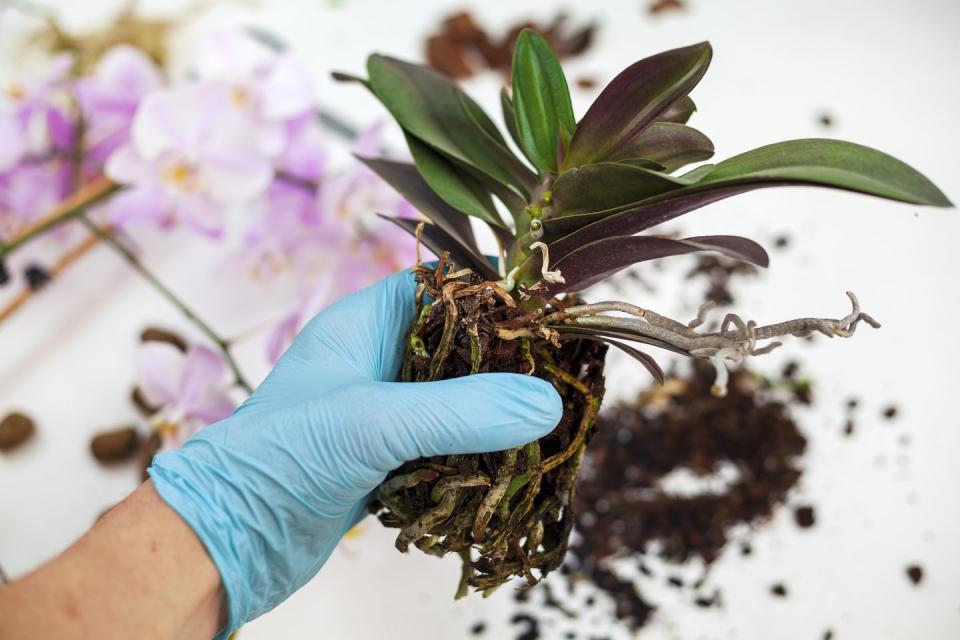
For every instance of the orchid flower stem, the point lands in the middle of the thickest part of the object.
(71, 208)
(222, 344)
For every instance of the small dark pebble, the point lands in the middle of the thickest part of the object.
(645, 570)
(853, 403)
(116, 445)
(915, 573)
(848, 428)
(790, 369)
(586, 82)
(590, 601)
(828, 634)
(890, 412)
(523, 595)
(746, 549)
(4, 273)
(15, 429)
(37, 277)
(804, 516)
(781, 242)
(153, 334)
(779, 590)
(825, 120)
(674, 581)
(478, 628)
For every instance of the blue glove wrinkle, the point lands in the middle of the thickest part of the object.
(272, 489)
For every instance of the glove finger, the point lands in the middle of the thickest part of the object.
(357, 339)
(473, 414)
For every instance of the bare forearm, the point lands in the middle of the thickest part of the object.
(139, 572)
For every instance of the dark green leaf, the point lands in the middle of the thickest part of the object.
(510, 117)
(541, 101)
(430, 107)
(341, 76)
(827, 163)
(634, 100)
(668, 144)
(410, 184)
(459, 189)
(831, 163)
(438, 241)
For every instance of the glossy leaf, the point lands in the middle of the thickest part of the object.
(460, 190)
(668, 144)
(634, 100)
(832, 163)
(541, 101)
(679, 112)
(599, 260)
(606, 185)
(430, 107)
(648, 362)
(411, 185)
(510, 118)
(438, 241)
(826, 163)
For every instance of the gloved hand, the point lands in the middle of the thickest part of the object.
(272, 489)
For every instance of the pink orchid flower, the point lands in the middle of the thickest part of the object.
(271, 88)
(110, 95)
(191, 389)
(189, 159)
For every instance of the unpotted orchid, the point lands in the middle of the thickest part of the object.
(577, 195)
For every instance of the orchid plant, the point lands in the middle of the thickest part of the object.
(577, 194)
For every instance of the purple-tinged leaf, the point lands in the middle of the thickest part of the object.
(599, 260)
(679, 112)
(438, 241)
(606, 185)
(634, 100)
(648, 362)
(668, 144)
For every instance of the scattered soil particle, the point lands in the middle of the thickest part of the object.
(746, 549)
(804, 516)
(37, 277)
(915, 574)
(478, 628)
(848, 428)
(4, 273)
(658, 7)
(852, 403)
(828, 634)
(116, 445)
(781, 242)
(461, 48)
(15, 430)
(719, 270)
(825, 120)
(154, 334)
(890, 412)
(779, 590)
(790, 369)
(674, 581)
(532, 632)
(586, 82)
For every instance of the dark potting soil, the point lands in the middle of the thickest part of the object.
(116, 445)
(915, 574)
(460, 47)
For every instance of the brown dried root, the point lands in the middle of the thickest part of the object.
(504, 513)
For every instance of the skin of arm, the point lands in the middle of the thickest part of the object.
(141, 549)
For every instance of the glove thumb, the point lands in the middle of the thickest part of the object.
(472, 414)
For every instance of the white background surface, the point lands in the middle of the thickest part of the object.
(887, 71)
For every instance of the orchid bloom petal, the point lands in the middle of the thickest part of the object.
(161, 367)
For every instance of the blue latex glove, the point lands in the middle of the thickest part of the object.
(272, 489)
